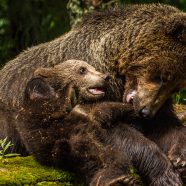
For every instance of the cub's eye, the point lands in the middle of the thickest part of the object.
(82, 70)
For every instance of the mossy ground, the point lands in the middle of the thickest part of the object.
(25, 171)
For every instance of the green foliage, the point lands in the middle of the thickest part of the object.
(180, 97)
(4, 147)
(134, 173)
(30, 22)
(77, 9)
(5, 40)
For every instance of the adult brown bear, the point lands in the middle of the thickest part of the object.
(142, 46)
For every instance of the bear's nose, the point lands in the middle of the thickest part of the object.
(106, 77)
(145, 112)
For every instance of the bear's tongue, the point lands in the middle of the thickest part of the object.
(130, 96)
(96, 91)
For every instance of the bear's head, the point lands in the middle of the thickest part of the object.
(155, 67)
(56, 90)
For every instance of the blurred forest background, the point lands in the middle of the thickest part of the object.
(24, 23)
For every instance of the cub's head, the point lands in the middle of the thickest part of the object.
(62, 86)
(156, 67)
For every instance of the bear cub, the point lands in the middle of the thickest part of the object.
(65, 122)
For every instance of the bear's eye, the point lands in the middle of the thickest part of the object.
(82, 70)
(164, 80)
(159, 79)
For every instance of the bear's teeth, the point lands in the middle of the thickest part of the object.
(96, 91)
(130, 96)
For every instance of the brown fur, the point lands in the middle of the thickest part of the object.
(143, 44)
(81, 141)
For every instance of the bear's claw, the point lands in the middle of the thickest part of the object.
(124, 180)
(178, 162)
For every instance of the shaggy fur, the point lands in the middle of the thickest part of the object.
(142, 45)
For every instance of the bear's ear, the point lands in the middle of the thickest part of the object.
(38, 89)
(176, 28)
(44, 72)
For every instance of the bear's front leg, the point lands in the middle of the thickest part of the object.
(145, 155)
(177, 157)
(170, 135)
(177, 150)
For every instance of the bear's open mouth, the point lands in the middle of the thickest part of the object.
(130, 96)
(97, 91)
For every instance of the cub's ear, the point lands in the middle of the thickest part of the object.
(44, 72)
(176, 28)
(38, 89)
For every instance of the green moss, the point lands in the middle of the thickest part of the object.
(26, 171)
(134, 174)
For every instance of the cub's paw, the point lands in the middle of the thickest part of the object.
(177, 156)
(178, 162)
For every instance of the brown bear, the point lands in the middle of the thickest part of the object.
(141, 46)
(60, 124)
